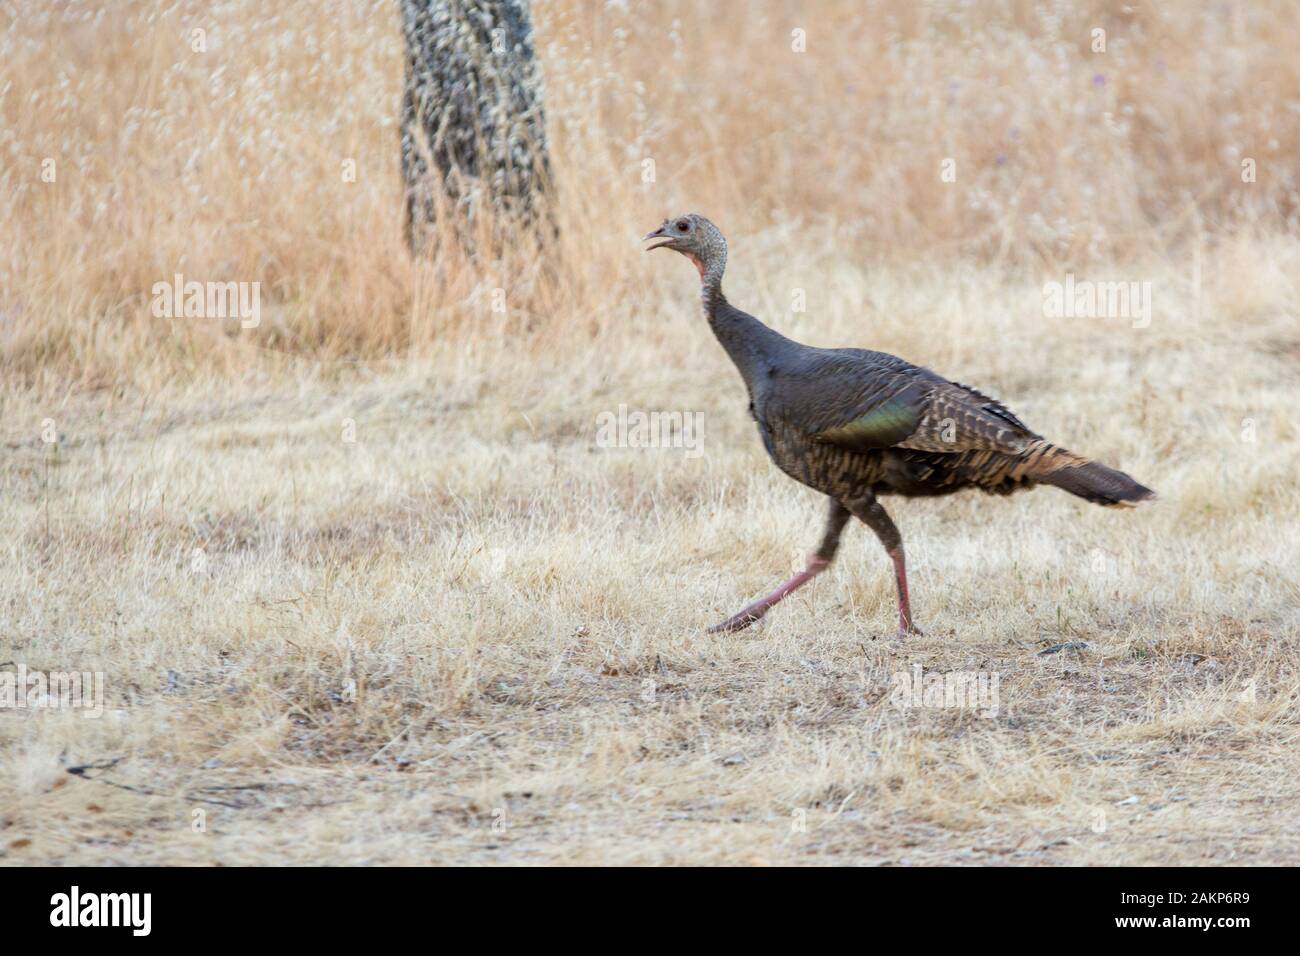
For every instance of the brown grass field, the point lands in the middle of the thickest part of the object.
(366, 588)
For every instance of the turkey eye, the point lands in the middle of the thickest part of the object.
(682, 225)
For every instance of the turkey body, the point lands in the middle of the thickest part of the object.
(793, 409)
(854, 423)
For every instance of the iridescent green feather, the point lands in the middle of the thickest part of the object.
(887, 424)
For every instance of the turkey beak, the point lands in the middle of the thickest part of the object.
(660, 233)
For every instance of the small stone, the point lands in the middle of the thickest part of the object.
(1067, 646)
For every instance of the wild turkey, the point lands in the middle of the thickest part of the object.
(857, 425)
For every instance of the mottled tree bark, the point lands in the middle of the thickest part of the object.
(473, 128)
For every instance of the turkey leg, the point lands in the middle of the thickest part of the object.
(819, 562)
(874, 516)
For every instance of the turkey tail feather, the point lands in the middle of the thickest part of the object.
(1090, 480)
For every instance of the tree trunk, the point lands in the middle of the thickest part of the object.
(473, 128)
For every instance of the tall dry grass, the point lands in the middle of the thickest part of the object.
(228, 164)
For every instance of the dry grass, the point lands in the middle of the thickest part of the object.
(471, 635)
